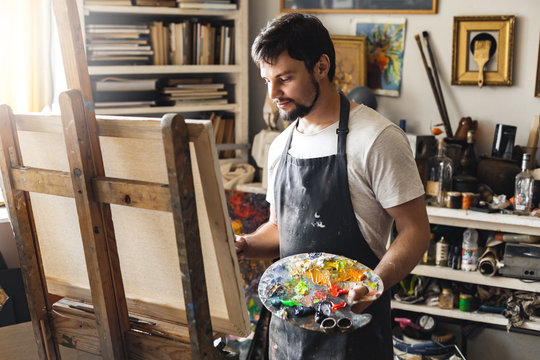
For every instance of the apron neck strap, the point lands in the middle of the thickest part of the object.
(343, 129)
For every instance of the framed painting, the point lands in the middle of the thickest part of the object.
(495, 31)
(385, 46)
(351, 63)
(361, 6)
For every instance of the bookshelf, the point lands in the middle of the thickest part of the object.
(233, 73)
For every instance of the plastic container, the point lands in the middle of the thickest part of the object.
(469, 250)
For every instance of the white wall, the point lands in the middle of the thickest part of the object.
(514, 105)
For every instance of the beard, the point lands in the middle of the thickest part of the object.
(300, 110)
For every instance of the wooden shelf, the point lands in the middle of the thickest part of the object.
(486, 318)
(479, 220)
(474, 277)
(159, 10)
(162, 69)
(165, 109)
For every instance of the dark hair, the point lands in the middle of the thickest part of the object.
(303, 36)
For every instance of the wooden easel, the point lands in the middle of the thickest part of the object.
(118, 338)
(107, 331)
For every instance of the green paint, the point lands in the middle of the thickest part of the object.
(302, 288)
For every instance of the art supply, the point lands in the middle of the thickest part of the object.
(469, 252)
(524, 188)
(465, 302)
(311, 290)
(434, 89)
(453, 200)
(446, 299)
(441, 252)
(503, 141)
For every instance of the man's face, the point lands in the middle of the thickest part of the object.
(290, 86)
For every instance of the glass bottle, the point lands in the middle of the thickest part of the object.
(441, 252)
(523, 188)
(440, 169)
(467, 161)
(446, 299)
(469, 252)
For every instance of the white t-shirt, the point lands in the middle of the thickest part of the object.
(381, 169)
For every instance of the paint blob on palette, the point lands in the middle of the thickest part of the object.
(310, 290)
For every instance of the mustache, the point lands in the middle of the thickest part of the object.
(278, 100)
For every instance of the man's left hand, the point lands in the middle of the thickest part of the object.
(357, 294)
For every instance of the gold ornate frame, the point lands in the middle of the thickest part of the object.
(537, 87)
(374, 7)
(502, 28)
(351, 61)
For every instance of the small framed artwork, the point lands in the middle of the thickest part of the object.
(483, 50)
(537, 87)
(351, 62)
(361, 6)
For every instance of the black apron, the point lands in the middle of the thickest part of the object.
(315, 214)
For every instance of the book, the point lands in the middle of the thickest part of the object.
(126, 104)
(124, 84)
(207, 5)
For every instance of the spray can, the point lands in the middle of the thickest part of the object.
(469, 252)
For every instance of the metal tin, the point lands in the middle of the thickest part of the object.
(453, 200)
(465, 302)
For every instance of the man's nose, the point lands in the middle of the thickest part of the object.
(274, 91)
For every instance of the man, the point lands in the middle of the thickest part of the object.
(339, 176)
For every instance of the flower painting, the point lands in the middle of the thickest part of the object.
(385, 45)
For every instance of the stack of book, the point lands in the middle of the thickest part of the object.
(114, 92)
(159, 38)
(194, 92)
(118, 44)
(207, 4)
(108, 2)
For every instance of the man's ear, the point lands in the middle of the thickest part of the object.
(322, 67)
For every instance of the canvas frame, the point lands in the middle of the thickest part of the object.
(351, 50)
(375, 7)
(502, 27)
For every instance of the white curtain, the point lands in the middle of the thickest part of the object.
(26, 76)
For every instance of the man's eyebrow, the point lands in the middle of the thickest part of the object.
(284, 73)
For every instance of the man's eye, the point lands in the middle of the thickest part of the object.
(283, 79)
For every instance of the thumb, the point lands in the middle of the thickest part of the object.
(239, 245)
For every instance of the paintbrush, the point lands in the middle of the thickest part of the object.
(433, 87)
(446, 119)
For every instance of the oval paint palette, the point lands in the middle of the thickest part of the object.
(310, 290)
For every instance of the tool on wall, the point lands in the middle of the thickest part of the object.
(483, 47)
(433, 76)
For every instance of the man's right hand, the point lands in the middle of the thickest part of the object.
(240, 244)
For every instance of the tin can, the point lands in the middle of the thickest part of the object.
(466, 200)
(465, 302)
(453, 200)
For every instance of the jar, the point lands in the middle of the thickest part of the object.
(453, 200)
(446, 299)
(441, 252)
(465, 302)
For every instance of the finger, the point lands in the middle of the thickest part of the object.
(358, 292)
(239, 244)
(359, 307)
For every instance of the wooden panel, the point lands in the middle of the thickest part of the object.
(132, 149)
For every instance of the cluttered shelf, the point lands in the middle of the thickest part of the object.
(487, 318)
(165, 109)
(475, 277)
(485, 221)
